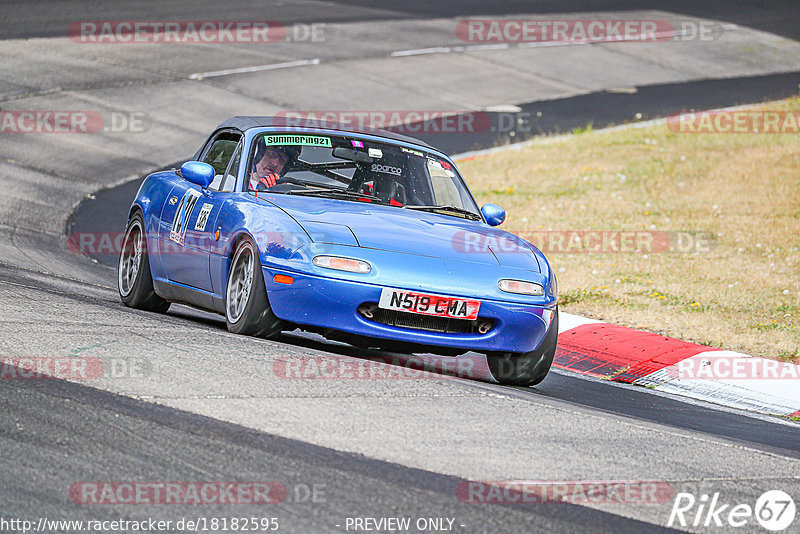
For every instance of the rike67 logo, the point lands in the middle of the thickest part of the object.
(774, 510)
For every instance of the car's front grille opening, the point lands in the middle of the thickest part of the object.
(414, 321)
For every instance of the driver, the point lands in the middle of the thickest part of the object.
(270, 163)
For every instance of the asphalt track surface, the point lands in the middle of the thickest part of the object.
(54, 433)
(175, 445)
(46, 18)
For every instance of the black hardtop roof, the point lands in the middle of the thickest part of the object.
(247, 122)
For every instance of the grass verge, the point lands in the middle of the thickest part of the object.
(739, 287)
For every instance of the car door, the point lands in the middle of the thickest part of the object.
(194, 212)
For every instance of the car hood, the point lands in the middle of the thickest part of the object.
(406, 231)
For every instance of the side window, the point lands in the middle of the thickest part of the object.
(229, 183)
(219, 156)
(444, 190)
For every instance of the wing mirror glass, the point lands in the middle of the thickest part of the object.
(494, 214)
(198, 173)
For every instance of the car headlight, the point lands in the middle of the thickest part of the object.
(342, 264)
(521, 287)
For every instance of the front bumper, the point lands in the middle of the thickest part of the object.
(327, 302)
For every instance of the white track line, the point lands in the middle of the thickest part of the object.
(274, 66)
(744, 381)
(420, 51)
(449, 49)
(666, 35)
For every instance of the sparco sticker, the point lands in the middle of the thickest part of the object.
(386, 169)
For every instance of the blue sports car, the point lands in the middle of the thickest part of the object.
(363, 236)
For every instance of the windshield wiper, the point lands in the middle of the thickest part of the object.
(451, 209)
(335, 192)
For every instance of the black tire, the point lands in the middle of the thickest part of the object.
(247, 309)
(526, 368)
(134, 280)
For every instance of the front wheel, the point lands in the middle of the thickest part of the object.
(526, 368)
(247, 309)
(134, 280)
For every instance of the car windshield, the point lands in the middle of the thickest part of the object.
(350, 168)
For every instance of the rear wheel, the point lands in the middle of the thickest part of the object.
(247, 309)
(526, 368)
(134, 280)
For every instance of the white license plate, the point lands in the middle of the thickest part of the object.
(427, 304)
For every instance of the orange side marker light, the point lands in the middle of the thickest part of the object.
(283, 279)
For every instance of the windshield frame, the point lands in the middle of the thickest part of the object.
(252, 133)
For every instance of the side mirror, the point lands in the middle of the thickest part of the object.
(198, 173)
(494, 214)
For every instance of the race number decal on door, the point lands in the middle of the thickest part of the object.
(202, 217)
(181, 220)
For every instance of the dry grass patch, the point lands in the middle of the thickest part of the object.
(741, 189)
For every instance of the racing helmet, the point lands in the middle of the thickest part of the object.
(292, 152)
